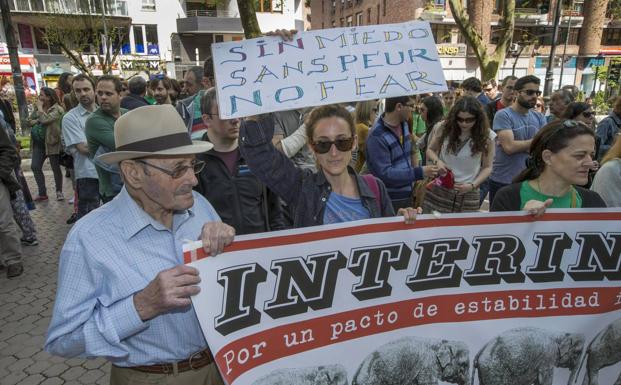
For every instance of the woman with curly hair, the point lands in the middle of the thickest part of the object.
(462, 146)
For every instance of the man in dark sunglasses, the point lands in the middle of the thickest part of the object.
(515, 127)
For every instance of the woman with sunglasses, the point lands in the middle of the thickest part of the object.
(364, 116)
(561, 155)
(540, 106)
(607, 181)
(463, 144)
(333, 194)
(580, 112)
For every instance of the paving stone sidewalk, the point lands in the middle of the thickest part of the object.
(26, 305)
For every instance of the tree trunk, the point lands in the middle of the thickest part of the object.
(248, 15)
(591, 34)
(481, 17)
(489, 63)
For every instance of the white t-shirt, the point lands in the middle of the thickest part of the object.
(464, 165)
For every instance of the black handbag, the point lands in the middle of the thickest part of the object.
(66, 160)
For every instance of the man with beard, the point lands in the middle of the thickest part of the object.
(238, 196)
(160, 88)
(100, 134)
(515, 126)
(73, 129)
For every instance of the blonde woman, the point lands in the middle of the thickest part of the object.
(607, 181)
(364, 116)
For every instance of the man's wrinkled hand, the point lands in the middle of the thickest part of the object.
(215, 236)
(169, 290)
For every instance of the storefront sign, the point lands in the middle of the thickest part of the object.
(452, 49)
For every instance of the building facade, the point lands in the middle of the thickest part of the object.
(579, 51)
(210, 21)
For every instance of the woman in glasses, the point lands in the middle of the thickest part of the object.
(561, 155)
(463, 144)
(540, 106)
(364, 115)
(580, 112)
(607, 181)
(333, 194)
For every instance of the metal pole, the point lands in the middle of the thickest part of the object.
(560, 81)
(16, 70)
(547, 90)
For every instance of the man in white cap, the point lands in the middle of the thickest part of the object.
(123, 290)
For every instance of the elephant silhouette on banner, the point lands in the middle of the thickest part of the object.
(412, 360)
(315, 375)
(604, 350)
(526, 356)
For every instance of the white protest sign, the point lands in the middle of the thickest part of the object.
(500, 297)
(324, 67)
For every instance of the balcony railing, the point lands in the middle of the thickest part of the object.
(211, 13)
(71, 7)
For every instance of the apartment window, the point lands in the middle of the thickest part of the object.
(574, 36)
(384, 5)
(40, 40)
(25, 36)
(359, 18)
(350, 21)
(441, 33)
(219, 38)
(145, 39)
(138, 39)
(611, 36)
(342, 22)
(269, 6)
(148, 5)
(152, 42)
(369, 16)
(333, 24)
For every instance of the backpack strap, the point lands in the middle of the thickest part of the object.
(370, 180)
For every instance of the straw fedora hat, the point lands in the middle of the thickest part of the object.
(149, 131)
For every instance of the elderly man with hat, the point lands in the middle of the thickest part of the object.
(123, 290)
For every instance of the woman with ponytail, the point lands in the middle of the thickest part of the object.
(561, 156)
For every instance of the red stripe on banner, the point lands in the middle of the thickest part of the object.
(248, 352)
(396, 226)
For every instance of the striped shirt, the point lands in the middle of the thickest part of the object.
(109, 255)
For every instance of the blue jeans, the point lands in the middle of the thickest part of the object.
(493, 189)
(37, 160)
(88, 195)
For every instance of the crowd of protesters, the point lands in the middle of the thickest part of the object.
(151, 161)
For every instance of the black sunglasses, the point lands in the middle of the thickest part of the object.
(322, 147)
(588, 114)
(531, 92)
(466, 120)
(178, 172)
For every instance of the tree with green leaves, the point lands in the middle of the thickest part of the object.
(79, 35)
(488, 62)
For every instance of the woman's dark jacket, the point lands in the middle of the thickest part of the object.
(306, 192)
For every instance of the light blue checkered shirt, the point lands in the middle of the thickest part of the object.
(109, 255)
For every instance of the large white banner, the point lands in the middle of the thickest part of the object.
(500, 298)
(326, 66)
